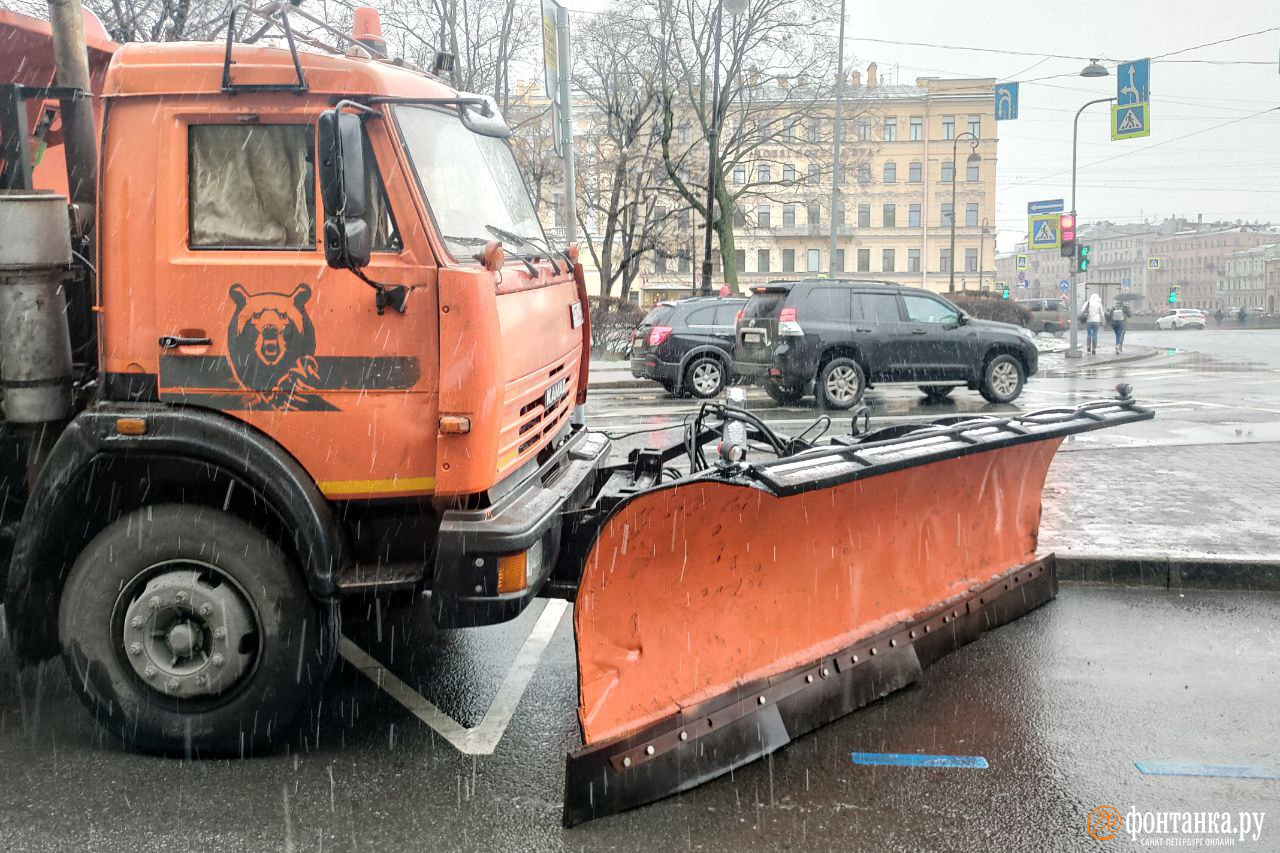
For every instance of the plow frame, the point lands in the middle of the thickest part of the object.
(749, 720)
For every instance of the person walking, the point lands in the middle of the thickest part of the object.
(1240, 315)
(1217, 315)
(1091, 316)
(1119, 316)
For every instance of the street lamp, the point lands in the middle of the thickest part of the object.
(972, 158)
(1093, 69)
(736, 7)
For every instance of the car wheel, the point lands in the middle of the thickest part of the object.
(841, 384)
(937, 392)
(705, 377)
(187, 631)
(1002, 379)
(783, 395)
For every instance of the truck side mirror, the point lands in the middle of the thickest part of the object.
(348, 239)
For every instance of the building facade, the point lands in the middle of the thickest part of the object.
(1194, 263)
(1247, 278)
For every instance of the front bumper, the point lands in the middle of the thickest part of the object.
(465, 577)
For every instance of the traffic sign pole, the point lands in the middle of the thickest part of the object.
(1073, 349)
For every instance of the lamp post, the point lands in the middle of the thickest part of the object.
(1093, 69)
(713, 141)
(972, 158)
(837, 130)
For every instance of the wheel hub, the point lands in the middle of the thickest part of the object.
(190, 633)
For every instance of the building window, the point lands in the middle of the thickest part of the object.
(682, 134)
(917, 128)
(944, 260)
(945, 219)
(864, 174)
(948, 127)
(914, 173)
(887, 260)
(890, 129)
(889, 216)
(660, 263)
(913, 215)
(838, 218)
(793, 130)
(788, 216)
(814, 213)
(739, 175)
(682, 261)
(788, 173)
(864, 260)
(739, 219)
(864, 129)
(815, 130)
(762, 173)
(682, 219)
(971, 260)
(788, 260)
(839, 265)
(762, 216)
(864, 216)
(913, 260)
(975, 126)
(891, 173)
(740, 259)
(948, 171)
(971, 170)
(813, 260)
(762, 260)
(557, 205)
(813, 173)
(971, 214)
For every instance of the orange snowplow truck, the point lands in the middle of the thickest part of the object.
(305, 365)
(302, 336)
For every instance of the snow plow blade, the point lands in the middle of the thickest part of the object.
(720, 616)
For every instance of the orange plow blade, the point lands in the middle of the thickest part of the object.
(722, 615)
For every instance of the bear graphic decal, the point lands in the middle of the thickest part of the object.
(272, 346)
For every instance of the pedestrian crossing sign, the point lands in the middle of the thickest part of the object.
(1130, 121)
(1021, 262)
(1153, 263)
(1042, 231)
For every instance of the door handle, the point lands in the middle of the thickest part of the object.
(175, 341)
(868, 331)
(919, 331)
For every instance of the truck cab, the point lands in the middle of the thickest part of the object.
(326, 318)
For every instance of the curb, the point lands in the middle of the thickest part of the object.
(1198, 572)
(1063, 372)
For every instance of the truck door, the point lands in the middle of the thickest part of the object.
(935, 341)
(251, 321)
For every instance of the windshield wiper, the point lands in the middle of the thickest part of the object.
(542, 245)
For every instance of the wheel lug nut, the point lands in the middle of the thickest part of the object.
(173, 684)
(219, 633)
(154, 602)
(202, 678)
(149, 672)
(217, 660)
(206, 609)
(179, 597)
(135, 648)
(136, 622)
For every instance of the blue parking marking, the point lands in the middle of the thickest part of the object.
(911, 759)
(1195, 768)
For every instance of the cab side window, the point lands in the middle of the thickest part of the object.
(251, 186)
(386, 238)
(923, 309)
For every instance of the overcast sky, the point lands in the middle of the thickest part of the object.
(1223, 172)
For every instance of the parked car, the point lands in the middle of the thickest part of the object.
(687, 345)
(1047, 315)
(1182, 318)
(844, 336)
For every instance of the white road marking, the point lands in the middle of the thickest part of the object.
(484, 738)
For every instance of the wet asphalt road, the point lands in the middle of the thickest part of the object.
(1060, 704)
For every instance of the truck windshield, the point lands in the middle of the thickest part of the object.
(470, 181)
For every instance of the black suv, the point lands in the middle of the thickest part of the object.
(845, 336)
(687, 345)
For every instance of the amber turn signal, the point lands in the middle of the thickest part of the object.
(131, 426)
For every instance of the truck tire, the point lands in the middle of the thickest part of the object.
(1002, 379)
(705, 377)
(783, 395)
(937, 392)
(841, 383)
(187, 631)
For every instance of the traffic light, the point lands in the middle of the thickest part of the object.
(1067, 228)
(1082, 258)
(1173, 295)
(1004, 294)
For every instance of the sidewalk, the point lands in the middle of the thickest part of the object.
(617, 374)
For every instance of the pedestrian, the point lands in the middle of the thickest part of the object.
(1217, 315)
(1240, 315)
(724, 289)
(1119, 316)
(1091, 316)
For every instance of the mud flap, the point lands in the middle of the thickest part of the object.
(720, 617)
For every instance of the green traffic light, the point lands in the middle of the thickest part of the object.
(1173, 296)
(1005, 294)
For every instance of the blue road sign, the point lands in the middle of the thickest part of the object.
(1006, 98)
(1133, 82)
(1052, 205)
(1064, 285)
(1126, 282)
(1042, 231)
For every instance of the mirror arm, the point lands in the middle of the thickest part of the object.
(394, 295)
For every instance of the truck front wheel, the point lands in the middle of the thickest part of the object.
(185, 630)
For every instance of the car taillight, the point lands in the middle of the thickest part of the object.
(632, 340)
(658, 334)
(737, 317)
(787, 323)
